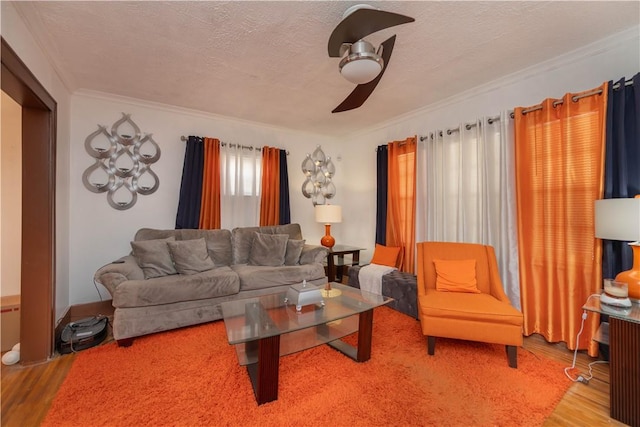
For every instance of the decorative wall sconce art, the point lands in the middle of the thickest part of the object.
(319, 170)
(123, 163)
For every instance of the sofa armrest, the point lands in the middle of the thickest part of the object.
(313, 254)
(111, 275)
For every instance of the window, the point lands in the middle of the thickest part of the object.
(240, 171)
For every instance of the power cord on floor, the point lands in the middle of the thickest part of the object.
(582, 378)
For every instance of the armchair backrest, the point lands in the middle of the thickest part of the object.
(487, 274)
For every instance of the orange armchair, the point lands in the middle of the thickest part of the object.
(485, 316)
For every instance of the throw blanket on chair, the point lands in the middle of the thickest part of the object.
(370, 277)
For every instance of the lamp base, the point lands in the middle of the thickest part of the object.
(632, 277)
(327, 241)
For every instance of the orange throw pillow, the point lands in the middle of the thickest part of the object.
(385, 255)
(456, 275)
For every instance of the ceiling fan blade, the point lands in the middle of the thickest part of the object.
(360, 24)
(360, 94)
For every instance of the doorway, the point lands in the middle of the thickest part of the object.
(37, 287)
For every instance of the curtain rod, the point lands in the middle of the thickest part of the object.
(467, 126)
(224, 144)
(616, 86)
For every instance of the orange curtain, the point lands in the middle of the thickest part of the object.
(559, 174)
(210, 204)
(270, 193)
(401, 199)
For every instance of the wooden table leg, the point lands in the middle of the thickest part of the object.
(624, 344)
(362, 352)
(365, 331)
(356, 258)
(264, 373)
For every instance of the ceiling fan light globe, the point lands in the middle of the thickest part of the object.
(360, 70)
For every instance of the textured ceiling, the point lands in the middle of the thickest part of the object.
(267, 62)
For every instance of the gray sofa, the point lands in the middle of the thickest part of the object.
(177, 278)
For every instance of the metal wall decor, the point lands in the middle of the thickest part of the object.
(319, 170)
(123, 163)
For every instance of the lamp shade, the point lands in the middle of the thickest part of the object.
(618, 219)
(361, 70)
(328, 214)
(362, 64)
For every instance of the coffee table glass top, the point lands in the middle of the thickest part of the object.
(251, 319)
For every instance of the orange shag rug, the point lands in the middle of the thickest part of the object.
(191, 377)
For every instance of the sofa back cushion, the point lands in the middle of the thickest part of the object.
(190, 256)
(242, 238)
(218, 241)
(268, 249)
(294, 250)
(153, 257)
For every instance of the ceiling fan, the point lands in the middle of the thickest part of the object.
(361, 63)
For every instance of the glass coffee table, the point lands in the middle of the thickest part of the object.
(263, 329)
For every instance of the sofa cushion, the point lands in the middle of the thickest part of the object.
(294, 249)
(218, 241)
(190, 256)
(259, 277)
(214, 283)
(386, 255)
(242, 237)
(153, 257)
(313, 254)
(268, 249)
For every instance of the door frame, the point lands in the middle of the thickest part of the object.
(37, 284)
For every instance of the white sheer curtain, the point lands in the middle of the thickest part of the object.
(240, 186)
(466, 191)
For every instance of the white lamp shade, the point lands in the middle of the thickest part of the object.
(618, 219)
(328, 214)
(361, 70)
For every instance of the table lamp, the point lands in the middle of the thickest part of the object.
(328, 214)
(619, 219)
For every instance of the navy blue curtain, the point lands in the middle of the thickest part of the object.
(285, 208)
(188, 215)
(382, 161)
(622, 163)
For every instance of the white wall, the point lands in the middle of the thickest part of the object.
(11, 204)
(101, 234)
(608, 59)
(19, 38)
(89, 233)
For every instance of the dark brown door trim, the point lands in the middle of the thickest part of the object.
(37, 306)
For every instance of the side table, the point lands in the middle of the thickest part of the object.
(335, 267)
(623, 339)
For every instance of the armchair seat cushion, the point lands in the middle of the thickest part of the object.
(470, 307)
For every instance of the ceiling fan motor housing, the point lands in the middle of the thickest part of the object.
(362, 64)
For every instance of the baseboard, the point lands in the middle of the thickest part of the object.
(80, 311)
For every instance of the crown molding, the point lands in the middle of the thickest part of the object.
(560, 61)
(93, 94)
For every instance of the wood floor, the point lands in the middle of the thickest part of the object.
(27, 392)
